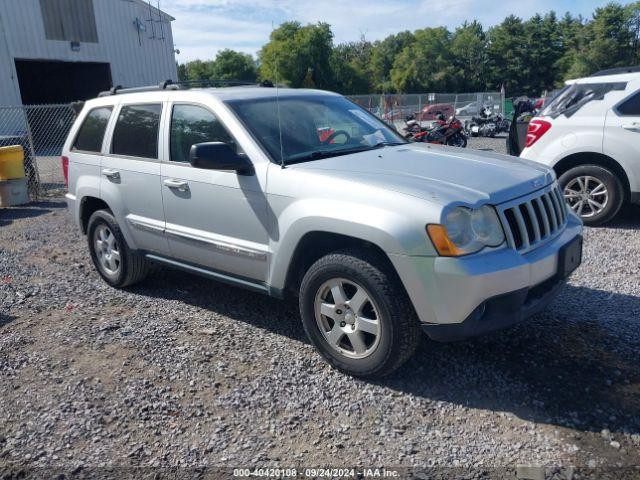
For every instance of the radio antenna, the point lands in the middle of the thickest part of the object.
(278, 107)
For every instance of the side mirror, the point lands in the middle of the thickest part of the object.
(219, 156)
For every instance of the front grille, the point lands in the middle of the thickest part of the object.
(530, 222)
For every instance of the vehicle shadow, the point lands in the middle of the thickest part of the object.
(30, 210)
(6, 319)
(575, 365)
(628, 218)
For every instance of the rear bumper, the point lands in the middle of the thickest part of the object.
(72, 207)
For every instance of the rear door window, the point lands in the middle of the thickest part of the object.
(631, 107)
(136, 131)
(91, 133)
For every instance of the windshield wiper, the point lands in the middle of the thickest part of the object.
(320, 154)
(386, 144)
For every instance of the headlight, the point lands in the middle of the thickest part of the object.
(466, 230)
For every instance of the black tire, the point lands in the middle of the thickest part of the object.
(133, 267)
(458, 140)
(400, 331)
(612, 183)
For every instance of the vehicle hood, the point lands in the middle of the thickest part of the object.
(443, 175)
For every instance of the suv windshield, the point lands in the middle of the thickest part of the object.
(309, 127)
(573, 97)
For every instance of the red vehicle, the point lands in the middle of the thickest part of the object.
(429, 112)
(398, 113)
(443, 132)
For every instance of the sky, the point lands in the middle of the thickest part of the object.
(203, 27)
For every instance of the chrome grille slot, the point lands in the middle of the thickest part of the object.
(533, 220)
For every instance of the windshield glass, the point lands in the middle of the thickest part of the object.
(312, 126)
(572, 98)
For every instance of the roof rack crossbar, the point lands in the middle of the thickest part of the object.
(184, 85)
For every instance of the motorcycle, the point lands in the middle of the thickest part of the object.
(487, 124)
(443, 132)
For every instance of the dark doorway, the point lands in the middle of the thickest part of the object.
(44, 81)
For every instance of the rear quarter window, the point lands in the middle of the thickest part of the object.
(630, 107)
(570, 100)
(136, 131)
(91, 132)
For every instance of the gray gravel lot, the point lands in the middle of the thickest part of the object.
(180, 371)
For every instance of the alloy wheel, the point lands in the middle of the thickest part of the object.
(347, 317)
(586, 195)
(107, 249)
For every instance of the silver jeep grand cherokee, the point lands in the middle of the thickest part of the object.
(302, 192)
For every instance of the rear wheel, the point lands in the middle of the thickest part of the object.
(593, 192)
(357, 314)
(116, 263)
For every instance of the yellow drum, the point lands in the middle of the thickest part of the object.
(11, 162)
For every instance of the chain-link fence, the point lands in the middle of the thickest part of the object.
(41, 130)
(424, 106)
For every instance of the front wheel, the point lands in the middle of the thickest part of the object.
(357, 314)
(593, 192)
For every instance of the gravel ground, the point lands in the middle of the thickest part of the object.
(184, 372)
(498, 144)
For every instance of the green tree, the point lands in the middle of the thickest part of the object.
(232, 65)
(634, 26)
(182, 71)
(544, 49)
(572, 37)
(527, 57)
(196, 70)
(293, 50)
(506, 56)
(424, 65)
(469, 57)
(228, 65)
(349, 64)
(610, 40)
(383, 55)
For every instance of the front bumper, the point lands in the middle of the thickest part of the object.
(466, 296)
(498, 312)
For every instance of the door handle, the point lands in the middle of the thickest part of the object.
(111, 174)
(634, 127)
(180, 185)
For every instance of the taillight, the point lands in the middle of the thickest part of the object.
(536, 129)
(65, 170)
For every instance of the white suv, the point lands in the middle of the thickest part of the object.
(590, 135)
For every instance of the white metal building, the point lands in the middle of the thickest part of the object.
(58, 51)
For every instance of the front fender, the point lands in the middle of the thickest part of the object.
(392, 231)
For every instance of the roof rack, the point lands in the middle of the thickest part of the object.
(171, 85)
(617, 71)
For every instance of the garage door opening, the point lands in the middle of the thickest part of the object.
(61, 82)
